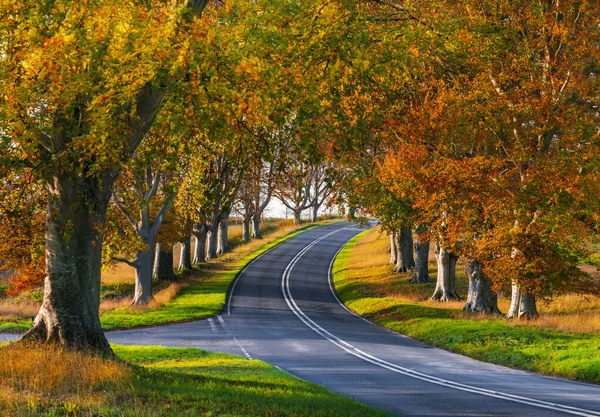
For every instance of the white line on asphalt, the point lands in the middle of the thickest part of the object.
(233, 337)
(242, 273)
(212, 325)
(285, 288)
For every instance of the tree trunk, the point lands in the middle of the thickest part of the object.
(393, 249)
(143, 276)
(223, 237)
(405, 260)
(200, 249)
(522, 305)
(163, 263)
(445, 289)
(211, 244)
(315, 213)
(245, 230)
(185, 255)
(69, 312)
(421, 274)
(256, 228)
(297, 217)
(481, 298)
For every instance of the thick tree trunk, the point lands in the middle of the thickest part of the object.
(481, 297)
(393, 249)
(405, 260)
(223, 237)
(421, 274)
(256, 228)
(185, 254)
(297, 217)
(163, 263)
(69, 315)
(522, 305)
(143, 276)
(246, 230)
(200, 249)
(315, 213)
(445, 289)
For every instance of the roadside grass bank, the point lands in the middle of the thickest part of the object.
(564, 342)
(199, 294)
(158, 381)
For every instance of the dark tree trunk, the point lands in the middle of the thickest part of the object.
(421, 274)
(445, 289)
(256, 228)
(393, 249)
(163, 263)
(246, 230)
(405, 260)
(522, 305)
(481, 298)
(223, 237)
(315, 213)
(69, 312)
(200, 249)
(297, 217)
(185, 255)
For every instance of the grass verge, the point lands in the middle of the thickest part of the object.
(366, 285)
(158, 382)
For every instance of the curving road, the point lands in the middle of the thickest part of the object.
(282, 310)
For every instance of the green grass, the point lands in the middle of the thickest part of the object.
(167, 382)
(496, 340)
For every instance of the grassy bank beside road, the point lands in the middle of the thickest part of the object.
(563, 342)
(158, 381)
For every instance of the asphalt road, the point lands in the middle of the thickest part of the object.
(282, 310)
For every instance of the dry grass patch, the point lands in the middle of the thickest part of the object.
(37, 378)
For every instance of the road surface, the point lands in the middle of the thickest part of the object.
(282, 310)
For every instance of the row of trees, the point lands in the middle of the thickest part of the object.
(489, 149)
(126, 124)
(472, 123)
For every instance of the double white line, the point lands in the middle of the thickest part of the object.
(285, 288)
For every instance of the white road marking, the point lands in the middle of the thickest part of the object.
(242, 273)
(212, 325)
(233, 337)
(285, 288)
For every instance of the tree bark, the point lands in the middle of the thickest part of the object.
(163, 263)
(256, 228)
(445, 289)
(315, 213)
(522, 305)
(421, 274)
(223, 237)
(393, 249)
(144, 262)
(74, 221)
(246, 230)
(200, 249)
(405, 260)
(185, 254)
(297, 217)
(481, 297)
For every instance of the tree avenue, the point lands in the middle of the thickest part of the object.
(468, 128)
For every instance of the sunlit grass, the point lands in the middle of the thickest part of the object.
(565, 340)
(157, 382)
